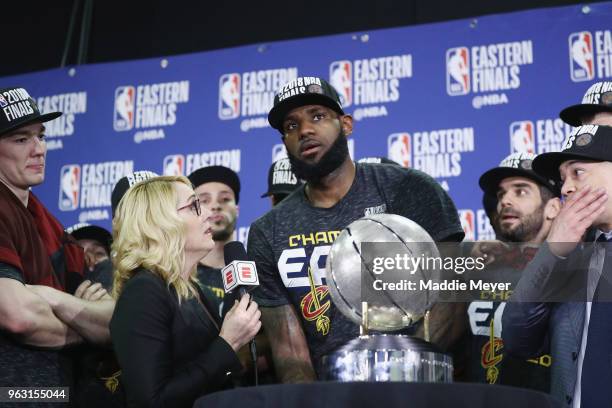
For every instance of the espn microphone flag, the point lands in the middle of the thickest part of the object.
(239, 271)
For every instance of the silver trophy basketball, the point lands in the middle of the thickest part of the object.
(383, 356)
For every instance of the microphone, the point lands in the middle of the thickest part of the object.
(240, 273)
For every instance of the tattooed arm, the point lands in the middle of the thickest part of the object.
(288, 343)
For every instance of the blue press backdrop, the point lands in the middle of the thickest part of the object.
(451, 99)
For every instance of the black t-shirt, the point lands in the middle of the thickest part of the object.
(488, 362)
(211, 283)
(291, 242)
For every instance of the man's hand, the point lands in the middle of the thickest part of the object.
(577, 214)
(26, 314)
(88, 314)
(88, 290)
(241, 323)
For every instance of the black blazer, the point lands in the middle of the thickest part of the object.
(170, 354)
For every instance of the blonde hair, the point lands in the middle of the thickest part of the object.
(149, 233)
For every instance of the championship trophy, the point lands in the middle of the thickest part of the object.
(379, 354)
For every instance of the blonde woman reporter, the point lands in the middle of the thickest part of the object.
(170, 346)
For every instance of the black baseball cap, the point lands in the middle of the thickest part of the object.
(18, 108)
(219, 174)
(589, 142)
(598, 98)
(515, 165)
(124, 184)
(88, 231)
(281, 179)
(299, 92)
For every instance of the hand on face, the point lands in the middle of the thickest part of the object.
(577, 214)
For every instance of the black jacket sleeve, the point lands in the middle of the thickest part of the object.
(141, 331)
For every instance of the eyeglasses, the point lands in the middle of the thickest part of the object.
(194, 206)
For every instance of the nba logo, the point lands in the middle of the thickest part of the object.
(398, 149)
(341, 78)
(70, 181)
(457, 71)
(278, 152)
(468, 224)
(582, 62)
(229, 96)
(174, 165)
(3, 102)
(522, 139)
(123, 117)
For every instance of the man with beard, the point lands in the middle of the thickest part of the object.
(527, 204)
(291, 242)
(218, 189)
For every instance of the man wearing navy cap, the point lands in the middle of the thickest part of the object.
(41, 267)
(290, 243)
(565, 294)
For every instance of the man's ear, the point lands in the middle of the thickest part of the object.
(552, 208)
(237, 210)
(346, 121)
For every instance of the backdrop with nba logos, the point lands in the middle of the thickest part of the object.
(451, 99)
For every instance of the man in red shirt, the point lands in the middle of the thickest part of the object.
(44, 304)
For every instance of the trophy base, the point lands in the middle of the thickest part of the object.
(388, 358)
